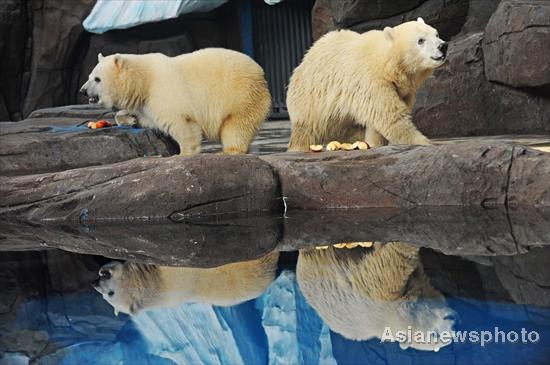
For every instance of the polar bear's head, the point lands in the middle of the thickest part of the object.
(381, 293)
(127, 287)
(418, 45)
(423, 321)
(115, 83)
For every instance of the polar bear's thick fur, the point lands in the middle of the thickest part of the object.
(214, 92)
(349, 81)
(131, 287)
(359, 292)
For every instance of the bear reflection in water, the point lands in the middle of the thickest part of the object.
(362, 292)
(131, 287)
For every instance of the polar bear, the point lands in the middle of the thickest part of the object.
(213, 92)
(131, 287)
(375, 293)
(349, 81)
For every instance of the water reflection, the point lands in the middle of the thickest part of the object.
(364, 293)
(328, 306)
(131, 287)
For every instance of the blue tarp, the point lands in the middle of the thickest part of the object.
(121, 14)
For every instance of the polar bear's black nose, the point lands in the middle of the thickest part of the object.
(83, 91)
(443, 48)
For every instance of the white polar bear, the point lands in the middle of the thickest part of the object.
(349, 81)
(131, 287)
(374, 293)
(215, 92)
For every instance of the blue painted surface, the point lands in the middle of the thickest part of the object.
(278, 327)
(116, 14)
(246, 27)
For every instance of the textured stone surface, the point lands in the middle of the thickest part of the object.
(467, 174)
(57, 38)
(458, 100)
(58, 139)
(174, 187)
(517, 44)
(479, 12)
(447, 16)
(13, 37)
(529, 178)
(462, 174)
(526, 277)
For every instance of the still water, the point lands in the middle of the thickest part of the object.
(478, 294)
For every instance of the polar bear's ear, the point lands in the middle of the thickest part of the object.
(99, 57)
(420, 20)
(135, 307)
(119, 61)
(388, 32)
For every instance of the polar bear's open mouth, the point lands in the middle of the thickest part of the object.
(93, 99)
(440, 58)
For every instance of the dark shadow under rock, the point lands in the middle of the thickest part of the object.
(194, 243)
(451, 230)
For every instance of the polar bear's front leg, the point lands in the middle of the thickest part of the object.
(188, 134)
(401, 130)
(374, 139)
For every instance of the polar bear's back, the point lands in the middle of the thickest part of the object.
(208, 86)
(325, 85)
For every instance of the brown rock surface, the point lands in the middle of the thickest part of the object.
(458, 100)
(145, 188)
(516, 47)
(58, 139)
(468, 174)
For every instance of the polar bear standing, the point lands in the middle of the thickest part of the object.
(349, 81)
(361, 293)
(215, 92)
(131, 287)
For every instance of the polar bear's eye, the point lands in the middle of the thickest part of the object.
(421, 41)
(97, 79)
(111, 293)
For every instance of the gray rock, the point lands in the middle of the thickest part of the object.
(526, 277)
(57, 38)
(468, 174)
(479, 12)
(45, 144)
(459, 101)
(79, 111)
(447, 16)
(517, 44)
(176, 187)
(13, 36)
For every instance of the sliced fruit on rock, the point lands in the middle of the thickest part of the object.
(321, 247)
(316, 147)
(334, 146)
(360, 145)
(102, 124)
(347, 147)
(351, 245)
